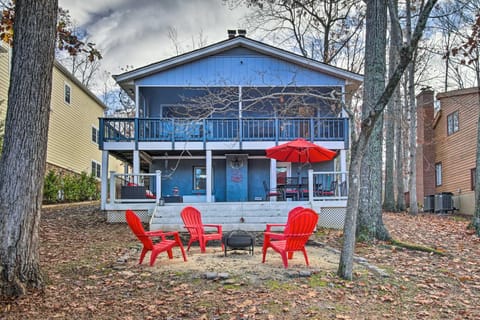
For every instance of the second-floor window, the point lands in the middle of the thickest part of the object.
(452, 123)
(96, 169)
(94, 135)
(438, 174)
(67, 93)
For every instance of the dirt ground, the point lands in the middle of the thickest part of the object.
(243, 266)
(91, 271)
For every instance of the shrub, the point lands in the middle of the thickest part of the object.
(51, 187)
(70, 187)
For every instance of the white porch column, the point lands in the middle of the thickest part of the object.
(137, 102)
(208, 166)
(273, 176)
(158, 186)
(112, 187)
(343, 160)
(104, 180)
(273, 173)
(136, 164)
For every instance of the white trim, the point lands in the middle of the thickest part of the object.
(230, 44)
(97, 164)
(104, 180)
(208, 163)
(97, 134)
(65, 85)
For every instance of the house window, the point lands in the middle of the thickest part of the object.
(94, 135)
(473, 178)
(96, 169)
(452, 123)
(199, 178)
(67, 93)
(438, 174)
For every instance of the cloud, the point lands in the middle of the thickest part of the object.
(136, 32)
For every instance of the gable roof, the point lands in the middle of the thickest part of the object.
(78, 83)
(126, 80)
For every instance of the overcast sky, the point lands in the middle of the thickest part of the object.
(136, 32)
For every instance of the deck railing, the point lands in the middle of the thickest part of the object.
(327, 185)
(227, 129)
(135, 188)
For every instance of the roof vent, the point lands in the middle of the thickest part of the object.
(231, 34)
(241, 32)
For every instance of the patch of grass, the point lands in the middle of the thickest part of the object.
(318, 280)
(417, 247)
(460, 219)
(277, 285)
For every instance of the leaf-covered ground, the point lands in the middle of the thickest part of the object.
(82, 256)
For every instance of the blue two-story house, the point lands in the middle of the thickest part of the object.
(204, 119)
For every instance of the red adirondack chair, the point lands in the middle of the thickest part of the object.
(193, 223)
(146, 238)
(291, 214)
(297, 231)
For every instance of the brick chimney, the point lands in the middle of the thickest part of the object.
(425, 161)
(231, 34)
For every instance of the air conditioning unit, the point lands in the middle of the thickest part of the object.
(429, 203)
(444, 202)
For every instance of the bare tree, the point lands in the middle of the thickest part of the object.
(79, 63)
(24, 163)
(318, 29)
(451, 19)
(25, 143)
(118, 101)
(413, 119)
(377, 103)
(2, 127)
(197, 41)
(390, 112)
(370, 224)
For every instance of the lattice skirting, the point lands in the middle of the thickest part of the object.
(332, 217)
(119, 216)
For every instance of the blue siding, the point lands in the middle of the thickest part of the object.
(183, 177)
(258, 171)
(237, 67)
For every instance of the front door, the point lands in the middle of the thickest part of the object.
(237, 177)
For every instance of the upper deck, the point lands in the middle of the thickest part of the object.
(238, 133)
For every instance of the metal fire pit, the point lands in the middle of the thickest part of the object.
(238, 240)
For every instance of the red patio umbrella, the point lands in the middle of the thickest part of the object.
(300, 150)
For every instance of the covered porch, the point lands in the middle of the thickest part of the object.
(246, 215)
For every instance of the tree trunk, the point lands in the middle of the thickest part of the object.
(359, 146)
(390, 118)
(476, 215)
(370, 223)
(345, 267)
(22, 165)
(399, 164)
(413, 121)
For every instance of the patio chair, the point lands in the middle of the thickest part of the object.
(193, 223)
(291, 188)
(291, 214)
(145, 237)
(272, 192)
(297, 231)
(328, 192)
